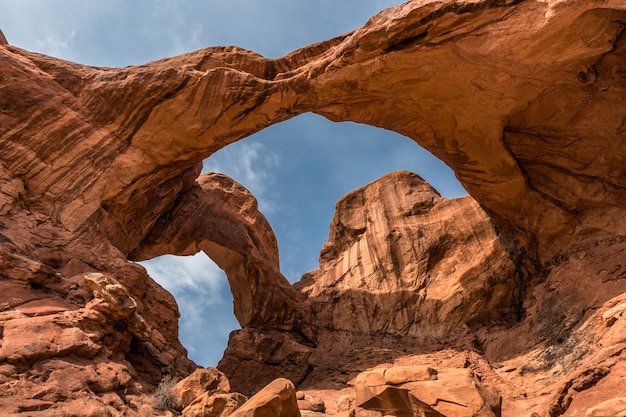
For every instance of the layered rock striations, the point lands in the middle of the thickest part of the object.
(479, 84)
(523, 283)
(403, 261)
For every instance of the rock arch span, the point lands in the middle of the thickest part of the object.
(158, 120)
(523, 100)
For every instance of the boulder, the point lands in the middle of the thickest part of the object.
(278, 399)
(310, 403)
(202, 382)
(214, 405)
(424, 391)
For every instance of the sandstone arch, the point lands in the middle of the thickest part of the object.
(215, 96)
(523, 99)
(221, 218)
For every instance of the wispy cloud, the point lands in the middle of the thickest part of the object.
(119, 32)
(204, 301)
(182, 274)
(205, 326)
(250, 164)
(57, 45)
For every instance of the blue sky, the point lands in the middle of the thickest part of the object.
(297, 169)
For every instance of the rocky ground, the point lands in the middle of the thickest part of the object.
(511, 301)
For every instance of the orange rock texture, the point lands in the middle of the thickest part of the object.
(520, 288)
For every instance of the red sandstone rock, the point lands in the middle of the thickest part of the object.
(201, 381)
(205, 393)
(310, 403)
(221, 218)
(276, 399)
(613, 407)
(214, 405)
(412, 61)
(425, 391)
(401, 260)
(532, 123)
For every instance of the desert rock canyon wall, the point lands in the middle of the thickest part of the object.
(518, 291)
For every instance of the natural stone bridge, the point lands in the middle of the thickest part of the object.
(524, 100)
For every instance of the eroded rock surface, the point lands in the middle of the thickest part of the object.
(58, 355)
(401, 263)
(276, 399)
(524, 100)
(221, 218)
(206, 392)
(208, 381)
(401, 260)
(425, 391)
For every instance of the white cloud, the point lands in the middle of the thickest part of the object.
(204, 301)
(250, 164)
(183, 31)
(204, 328)
(181, 274)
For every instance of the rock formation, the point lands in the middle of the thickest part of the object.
(401, 260)
(523, 283)
(411, 390)
(221, 218)
(206, 392)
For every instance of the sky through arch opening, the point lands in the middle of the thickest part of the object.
(297, 170)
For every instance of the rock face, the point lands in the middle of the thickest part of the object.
(57, 355)
(401, 263)
(523, 283)
(202, 381)
(401, 260)
(206, 392)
